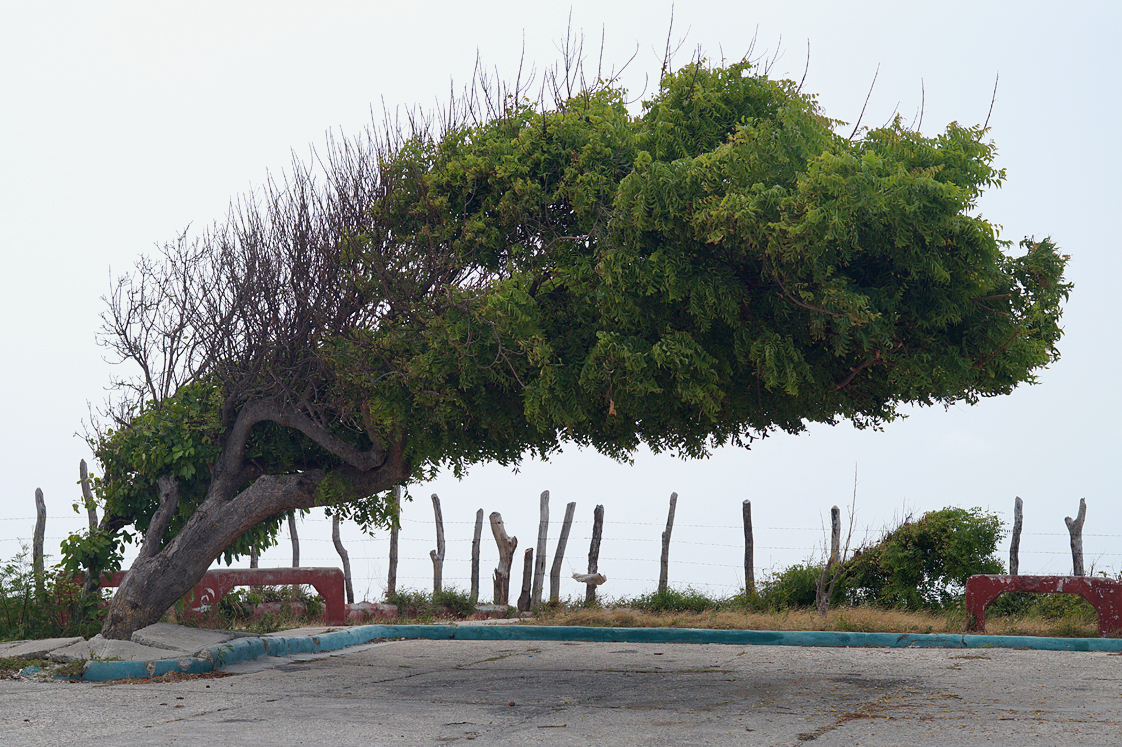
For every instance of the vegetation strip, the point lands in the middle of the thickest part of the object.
(244, 649)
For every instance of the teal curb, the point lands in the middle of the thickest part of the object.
(244, 649)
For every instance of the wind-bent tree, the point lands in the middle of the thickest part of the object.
(720, 267)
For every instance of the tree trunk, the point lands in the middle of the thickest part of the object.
(37, 542)
(749, 551)
(539, 566)
(506, 558)
(437, 555)
(594, 552)
(475, 540)
(1015, 540)
(665, 564)
(154, 584)
(338, 542)
(524, 599)
(87, 494)
(558, 556)
(1075, 529)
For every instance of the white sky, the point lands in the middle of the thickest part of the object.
(121, 123)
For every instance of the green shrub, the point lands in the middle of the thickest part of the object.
(673, 600)
(59, 610)
(797, 586)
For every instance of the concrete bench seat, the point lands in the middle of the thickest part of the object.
(1104, 594)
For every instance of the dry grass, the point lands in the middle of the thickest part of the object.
(850, 619)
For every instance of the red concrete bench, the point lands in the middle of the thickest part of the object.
(1104, 594)
(216, 584)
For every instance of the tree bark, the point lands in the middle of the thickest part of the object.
(524, 599)
(539, 565)
(664, 565)
(1075, 529)
(749, 551)
(1015, 540)
(506, 558)
(558, 556)
(87, 494)
(475, 540)
(338, 542)
(154, 584)
(437, 555)
(37, 542)
(594, 552)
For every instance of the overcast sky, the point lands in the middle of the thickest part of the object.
(122, 123)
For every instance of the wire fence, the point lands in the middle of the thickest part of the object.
(706, 557)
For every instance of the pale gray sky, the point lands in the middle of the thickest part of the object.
(121, 123)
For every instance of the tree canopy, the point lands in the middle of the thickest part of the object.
(721, 266)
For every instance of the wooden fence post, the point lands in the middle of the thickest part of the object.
(539, 566)
(295, 540)
(338, 542)
(507, 546)
(524, 599)
(253, 556)
(37, 543)
(749, 551)
(666, 545)
(395, 530)
(437, 555)
(1075, 529)
(558, 556)
(1015, 540)
(87, 494)
(835, 536)
(594, 552)
(475, 556)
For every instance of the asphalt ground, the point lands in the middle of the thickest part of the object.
(424, 692)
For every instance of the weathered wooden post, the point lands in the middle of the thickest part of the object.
(1075, 529)
(253, 556)
(87, 494)
(338, 542)
(666, 545)
(295, 540)
(437, 555)
(524, 600)
(507, 546)
(1015, 540)
(835, 536)
(475, 556)
(37, 542)
(555, 569)
(539, 566)
(395, 530)
(749, 551)
(594, 552)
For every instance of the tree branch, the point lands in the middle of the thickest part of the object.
(169, 499)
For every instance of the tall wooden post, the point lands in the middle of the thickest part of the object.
(475, 556)
(437, 555)
(662, 572)
(749, 551)
(539, 565)
(524, 600)
(253, 556)
(555, 570)
(1075, 529)
(1015, 540)
(87, 494)
(835, 536)
(507, 546)
(37, 542)
(395, 530)
(295, 540)
(338, 542)
(594, 552)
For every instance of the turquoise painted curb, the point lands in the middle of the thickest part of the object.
(244, 649)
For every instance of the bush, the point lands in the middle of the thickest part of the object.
(673, 600)
(58, 611)
(797, 586)
(924, 564)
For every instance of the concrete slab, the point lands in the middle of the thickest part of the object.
(39, 649)
(307, 630)
(108, 649)
(179, 638)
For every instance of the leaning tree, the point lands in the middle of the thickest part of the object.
(522, 275)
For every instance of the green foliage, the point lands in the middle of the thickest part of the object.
(796, 586)
(422, 605)
(925, 563)
(61, 610)
(674, 600)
